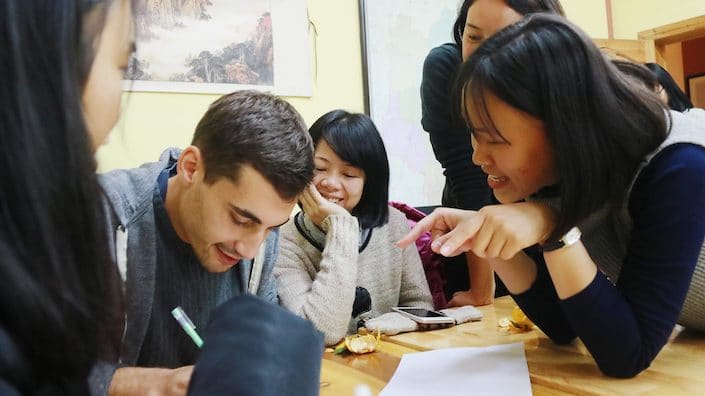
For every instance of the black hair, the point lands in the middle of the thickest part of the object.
(677, 99)
(600, 125)
(355, 139)
(522, 7)
(60, 298)
(637, 73)
(257, 129)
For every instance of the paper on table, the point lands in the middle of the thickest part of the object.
(493, 370)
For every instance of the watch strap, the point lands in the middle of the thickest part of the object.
(569, 238)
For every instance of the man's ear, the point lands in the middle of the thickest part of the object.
(190, 164)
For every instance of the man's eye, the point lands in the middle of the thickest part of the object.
(238, 222)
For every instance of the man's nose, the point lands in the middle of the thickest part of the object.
(249, 246)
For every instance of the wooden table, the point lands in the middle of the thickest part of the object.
(679, 369)
(341, 373)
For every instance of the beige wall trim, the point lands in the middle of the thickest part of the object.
(633, 50)
(686, 29)
(667, 49)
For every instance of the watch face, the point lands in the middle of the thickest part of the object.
(572, 236)
(569, 238)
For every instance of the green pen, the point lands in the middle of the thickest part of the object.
(187, 325)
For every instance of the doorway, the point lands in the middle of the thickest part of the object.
(680, 48)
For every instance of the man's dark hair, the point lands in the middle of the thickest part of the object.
(355, 139)
(257, 129)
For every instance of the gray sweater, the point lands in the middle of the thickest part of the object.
(320, 286)
(132, 229)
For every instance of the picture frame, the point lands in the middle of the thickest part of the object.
(696, 90)
(219, 46)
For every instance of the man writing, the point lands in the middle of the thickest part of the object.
(187, 230)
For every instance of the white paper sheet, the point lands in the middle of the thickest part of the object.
(493, 370)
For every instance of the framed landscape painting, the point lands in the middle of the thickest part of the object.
(218, 46)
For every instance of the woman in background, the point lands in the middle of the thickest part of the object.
(466, 186)
(613, 187)
(669, 91)
(339, 251)
(61, 68)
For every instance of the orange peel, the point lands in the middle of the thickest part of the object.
(518, 322)
(359, 343)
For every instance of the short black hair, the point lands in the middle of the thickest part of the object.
(257, 129)
(355, 139)
(599, 125)
(677, 99)
(523, 7)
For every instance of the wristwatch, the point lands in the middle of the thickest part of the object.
(570, 238)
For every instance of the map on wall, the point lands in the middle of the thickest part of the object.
(218, 46)
(398, 36)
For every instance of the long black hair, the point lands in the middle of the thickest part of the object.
(355, 139)
(59, 299)
(599, 124)
(677, 99)
(522, 7)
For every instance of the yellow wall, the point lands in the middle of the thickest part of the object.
(633, 16)
(153, 121)
(590, 15)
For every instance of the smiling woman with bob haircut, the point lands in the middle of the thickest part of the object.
(594, 173)
(337, 258)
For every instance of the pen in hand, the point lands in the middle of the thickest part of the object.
(187, 325)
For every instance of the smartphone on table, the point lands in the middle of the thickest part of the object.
(425, 316)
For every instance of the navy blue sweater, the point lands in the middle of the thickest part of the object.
(624, 326)
(466, 184)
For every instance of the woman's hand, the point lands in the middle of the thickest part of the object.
(318, 208)
(496, 231)
(469, 297)
(507, 229)
(440, 222)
